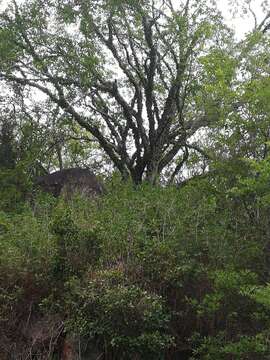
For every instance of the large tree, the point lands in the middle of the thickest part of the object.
(131, 73)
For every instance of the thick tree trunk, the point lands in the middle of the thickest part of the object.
(152, 173)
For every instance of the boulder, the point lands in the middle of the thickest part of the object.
(68, 182)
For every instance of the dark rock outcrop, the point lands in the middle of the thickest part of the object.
(68, 182)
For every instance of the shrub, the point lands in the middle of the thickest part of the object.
(121, 317)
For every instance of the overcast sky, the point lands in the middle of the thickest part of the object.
(240, 24)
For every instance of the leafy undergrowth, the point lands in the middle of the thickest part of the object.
(140, 273)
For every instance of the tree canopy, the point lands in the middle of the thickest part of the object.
(144, 79)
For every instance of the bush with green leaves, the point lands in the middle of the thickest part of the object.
(123, 319)
(77, 246)
(147, 272)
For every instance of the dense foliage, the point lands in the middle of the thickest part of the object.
(172, 260)
(141, 272)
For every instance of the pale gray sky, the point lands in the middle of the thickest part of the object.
(241, 24)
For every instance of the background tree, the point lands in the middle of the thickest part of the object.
(126, 72)
(144, 79)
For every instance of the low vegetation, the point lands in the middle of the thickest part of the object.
(141, 272)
